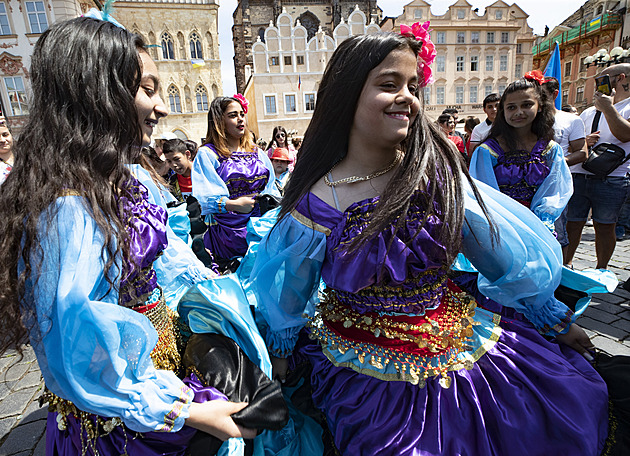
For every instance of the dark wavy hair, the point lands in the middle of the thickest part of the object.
(430, 162)
(273, 143)
(216, 127)
(542, 126)
(82, 129)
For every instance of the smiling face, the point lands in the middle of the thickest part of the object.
(6, 140)
(149, 105)
(388, 103)
(234, 120)
(521, 108)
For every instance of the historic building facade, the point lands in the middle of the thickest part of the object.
(21, 24)
(287, 66)
(476, 54)
(597, 24)
(253, 17)
(183, 40)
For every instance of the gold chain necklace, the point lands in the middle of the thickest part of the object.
(354, 179)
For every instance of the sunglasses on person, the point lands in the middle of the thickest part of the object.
(280, 135)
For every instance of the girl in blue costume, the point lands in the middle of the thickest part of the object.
(80, 236)
(378, 206)
(228, 174)
(520, 157)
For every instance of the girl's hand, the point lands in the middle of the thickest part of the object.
(244, 204)
(279, 366)
(214, 417)
(577, 339)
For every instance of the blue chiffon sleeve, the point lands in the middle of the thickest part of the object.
(270, 188)
(554, 193)
(208, 187)
(522, 269)
(284, 280)
(92, 351)
(482, 165)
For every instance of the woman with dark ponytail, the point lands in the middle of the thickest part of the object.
(404, 362)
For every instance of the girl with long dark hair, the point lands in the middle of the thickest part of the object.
(520, 157)
(280, 139)
(79, 239)
(404, 362)
(228, 174)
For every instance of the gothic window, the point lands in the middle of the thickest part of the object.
(310, 23)
(195, 46)
(202, 98)
(261, 34)
(173, 99)
(168, 52)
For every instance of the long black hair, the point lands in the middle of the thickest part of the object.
(216, 134)
(430, 161)
(542, 126)
(82, 129)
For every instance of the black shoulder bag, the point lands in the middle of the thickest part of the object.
(604, 158)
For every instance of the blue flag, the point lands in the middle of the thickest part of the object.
(552, 70)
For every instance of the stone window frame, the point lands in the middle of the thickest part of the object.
(174, 99)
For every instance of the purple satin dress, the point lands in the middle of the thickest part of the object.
(244, 174)
(147, 230)
(523, 396)
(520, 173)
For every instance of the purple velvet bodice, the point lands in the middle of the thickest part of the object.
(243, 173)
(146, 227)
(409, 278)
(520, 173)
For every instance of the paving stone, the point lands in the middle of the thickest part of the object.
(14, 372)
(40, 449)
(601, 328)
(606, 344)
(23, 437)
(625, 314)
(16, 403)
(599, 315)
(5, 389)
(589, 333)
(29, 380)
(6, 362)
(622, 324)
(34, 412)
(606, 307)
(610, 298)
(6, 424)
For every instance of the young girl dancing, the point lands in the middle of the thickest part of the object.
(520, 158)
(403, 362)
(227, 175)
(80, 241)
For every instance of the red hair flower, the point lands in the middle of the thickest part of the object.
(242, 100)
(427, 53)
(535, 75)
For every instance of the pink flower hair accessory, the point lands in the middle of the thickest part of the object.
(242, 100)
(427, 53)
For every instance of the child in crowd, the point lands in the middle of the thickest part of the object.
(280, 161)
(378, 206)
(180, 160)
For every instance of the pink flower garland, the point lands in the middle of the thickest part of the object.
(427, 53)
(242, 100)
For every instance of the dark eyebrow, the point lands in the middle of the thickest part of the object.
(152, 77)
(392, 73)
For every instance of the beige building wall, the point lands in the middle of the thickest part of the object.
(287, 70)
(186, 91)
(476, 54)
(18, 35)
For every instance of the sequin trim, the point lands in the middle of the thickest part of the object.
(307, 222)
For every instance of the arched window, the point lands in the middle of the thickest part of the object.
(310, 23)
(202, 98)
(195, 46)
(173, 99)
(261, 34)
(168, 52)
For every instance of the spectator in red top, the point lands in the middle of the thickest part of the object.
(447, 124)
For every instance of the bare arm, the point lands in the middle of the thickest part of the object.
(578, 152)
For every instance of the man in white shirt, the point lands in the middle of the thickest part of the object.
(569, 133)
(481, 131)
(604, 195)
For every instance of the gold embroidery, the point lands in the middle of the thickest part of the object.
(307, 222)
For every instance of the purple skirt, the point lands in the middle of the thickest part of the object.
(526, 396)
(226, 238)
(121, 440)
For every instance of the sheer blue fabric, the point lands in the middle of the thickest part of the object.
(209, 188)
(92, 351)
(552, 195)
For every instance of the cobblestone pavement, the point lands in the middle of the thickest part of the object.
(23, 422)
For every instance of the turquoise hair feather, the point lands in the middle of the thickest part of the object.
(105, 14)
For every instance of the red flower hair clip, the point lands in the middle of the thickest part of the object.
(242, 100)
(427, 54)
(535, 75)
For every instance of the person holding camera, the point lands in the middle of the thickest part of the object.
(603, 192)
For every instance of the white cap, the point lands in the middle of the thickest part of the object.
(166, 135)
